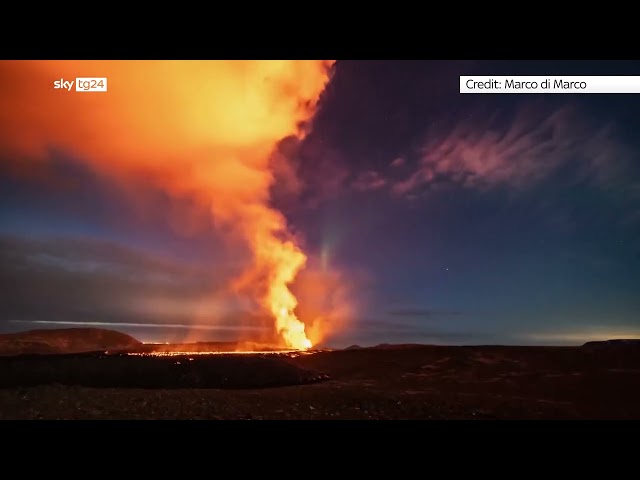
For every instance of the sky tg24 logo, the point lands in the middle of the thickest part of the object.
(83, 84)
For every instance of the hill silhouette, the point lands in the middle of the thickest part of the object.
(65, 340)
(618, 342)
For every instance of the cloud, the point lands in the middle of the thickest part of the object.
(515, 149)
(184, 326)
(398, 162)
(287, 182)
(369, 180)
(323, 169)
(518, 152)
(307, 173)
(85, 280)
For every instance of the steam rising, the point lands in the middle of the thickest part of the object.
(203, 130)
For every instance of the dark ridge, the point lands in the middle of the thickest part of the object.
(621, 342)
(65, 341)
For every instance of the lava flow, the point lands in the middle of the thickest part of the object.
(288, 353)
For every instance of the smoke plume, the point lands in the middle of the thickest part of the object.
(197, 129)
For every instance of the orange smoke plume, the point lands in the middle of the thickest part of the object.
(328, 300)
(198, 129)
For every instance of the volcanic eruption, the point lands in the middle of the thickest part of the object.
(202, 130)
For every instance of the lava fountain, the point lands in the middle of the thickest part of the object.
(202, 130)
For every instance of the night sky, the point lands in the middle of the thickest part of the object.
(447, 218)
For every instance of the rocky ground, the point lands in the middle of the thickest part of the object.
(401, 382)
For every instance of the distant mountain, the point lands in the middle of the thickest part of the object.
(65, 340)
(623, 342)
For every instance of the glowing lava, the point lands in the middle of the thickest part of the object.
(286, 260)
(288, 353)
(198, 130)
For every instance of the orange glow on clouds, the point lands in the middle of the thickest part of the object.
(198, 129)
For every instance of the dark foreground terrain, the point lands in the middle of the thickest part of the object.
(596, 381)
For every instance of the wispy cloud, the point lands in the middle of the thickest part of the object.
(369, 180)
(238, 328)
(86, 280)
(518, 153)
(398, 162)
